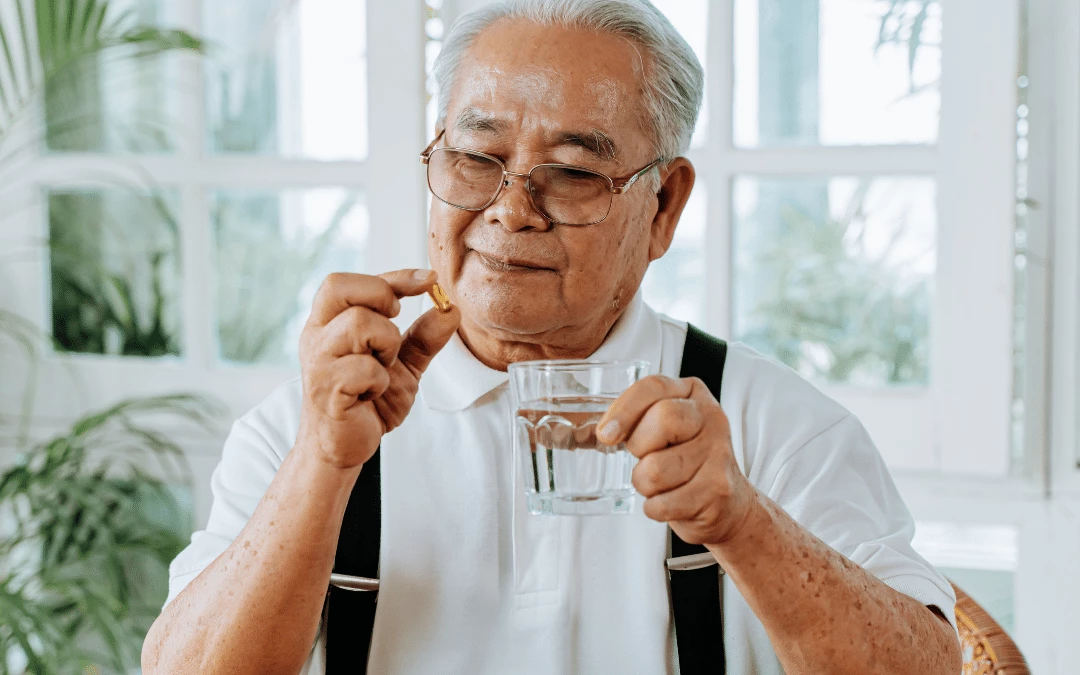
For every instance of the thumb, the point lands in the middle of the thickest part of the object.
(428, 334)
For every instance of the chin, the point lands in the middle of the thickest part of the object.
(513, 311)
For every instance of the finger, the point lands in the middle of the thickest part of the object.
(409, 282)
(667, 422)
(665, 470)
(342, 290)
(685, 502)
(359, 330)
(360, 376)
(428, 335)
(624, 414)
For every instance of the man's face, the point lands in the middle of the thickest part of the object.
(531, 95)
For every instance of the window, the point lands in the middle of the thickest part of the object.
(855, 212)
(193, 205)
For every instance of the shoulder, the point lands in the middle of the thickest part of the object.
(773, 410)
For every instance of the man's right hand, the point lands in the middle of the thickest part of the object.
(360, 374)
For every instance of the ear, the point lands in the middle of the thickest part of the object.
(676, 182)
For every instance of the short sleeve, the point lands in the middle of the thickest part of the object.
(837, 486)
(251, 456)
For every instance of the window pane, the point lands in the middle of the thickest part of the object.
(691, 19)
(833, 276)
(287, 78)
(273, 251)
(837, 72)
(121, 100)
(675, 284)
(114, 263)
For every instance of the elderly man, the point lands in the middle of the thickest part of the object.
(544, 260)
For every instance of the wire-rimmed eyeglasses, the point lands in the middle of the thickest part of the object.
(563, 193)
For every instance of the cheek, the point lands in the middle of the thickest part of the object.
(605, 263)
(446, 226)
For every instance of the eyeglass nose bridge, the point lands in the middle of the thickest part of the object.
(508, 177)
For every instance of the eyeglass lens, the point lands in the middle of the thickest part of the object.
(562, 194)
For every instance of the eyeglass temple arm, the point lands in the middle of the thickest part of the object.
(619, 189)
(426, 154)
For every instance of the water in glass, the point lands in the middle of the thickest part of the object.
(571, 471)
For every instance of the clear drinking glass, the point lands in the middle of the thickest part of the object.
(556, 406)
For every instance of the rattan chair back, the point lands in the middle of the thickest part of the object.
(988, 649)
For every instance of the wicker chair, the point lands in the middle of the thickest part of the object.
(988, 649)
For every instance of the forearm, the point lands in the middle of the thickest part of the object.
(256, 608)
(824, 613)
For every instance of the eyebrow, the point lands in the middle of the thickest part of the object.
(594, 141)
(472, 119)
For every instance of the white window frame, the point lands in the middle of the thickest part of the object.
(1058, 50)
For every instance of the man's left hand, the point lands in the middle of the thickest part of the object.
(686, 470)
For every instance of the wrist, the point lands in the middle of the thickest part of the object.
(317, 468)
(742, 527)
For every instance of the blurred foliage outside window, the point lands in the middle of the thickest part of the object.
(115, 272)
(273, 250)
(289, 78)
(846, 299)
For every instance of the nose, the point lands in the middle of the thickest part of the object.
(513, 208)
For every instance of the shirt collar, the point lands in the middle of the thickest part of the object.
(456, 379)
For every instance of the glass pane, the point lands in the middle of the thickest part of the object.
(833, 276)
(121, 100)
(837, 72)
(691, 19)
(287, 78)
(273, 251)
(675, 284)
(115, 272)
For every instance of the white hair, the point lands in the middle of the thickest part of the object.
(673, 77)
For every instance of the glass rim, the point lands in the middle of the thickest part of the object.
(571, 364)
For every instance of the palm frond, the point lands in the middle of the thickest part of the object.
(68, 32)
(93, 519)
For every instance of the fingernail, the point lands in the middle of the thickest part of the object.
(609, 431)
(422, 275)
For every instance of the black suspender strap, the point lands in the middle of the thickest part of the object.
(695, 590)
(350, 614)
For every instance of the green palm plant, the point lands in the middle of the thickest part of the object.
(41, 40)
(89, 521)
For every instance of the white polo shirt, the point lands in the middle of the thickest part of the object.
(471, 583)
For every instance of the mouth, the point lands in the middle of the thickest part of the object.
(499, 264)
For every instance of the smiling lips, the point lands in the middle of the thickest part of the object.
(510, 265)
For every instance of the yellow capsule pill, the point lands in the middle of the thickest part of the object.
(438, 296)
